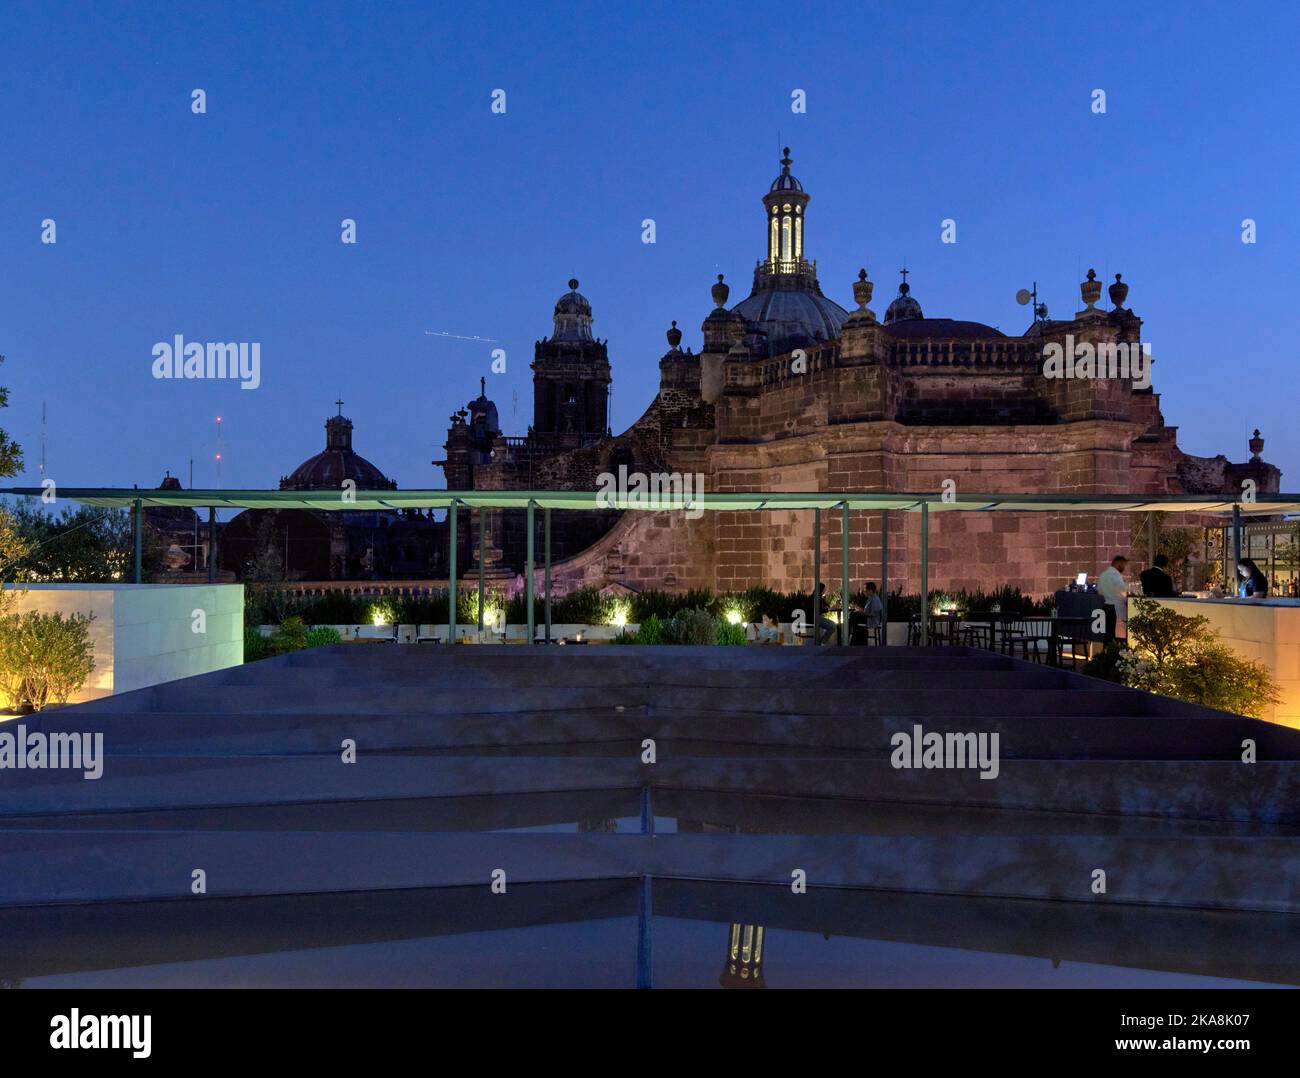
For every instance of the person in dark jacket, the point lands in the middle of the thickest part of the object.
(1156, 581)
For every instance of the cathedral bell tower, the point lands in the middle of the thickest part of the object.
(571, 375)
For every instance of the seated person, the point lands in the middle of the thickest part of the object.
(770, 631)
(875, 607)
(826, 628)
(1156, 581)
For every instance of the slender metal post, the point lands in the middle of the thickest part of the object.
(528, 572)
(817, 576)
(212, 544)
(925, 574)
(844, 574)
(451, 581)
(1236, 548)
(546, 528)
(884, 576)
(139, 541)
(482, 554)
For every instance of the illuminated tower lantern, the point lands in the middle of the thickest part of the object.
(785, 203)
(786, 308)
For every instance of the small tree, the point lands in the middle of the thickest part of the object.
(1180, 656)
(44, 657)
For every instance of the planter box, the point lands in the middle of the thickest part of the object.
(144, 634)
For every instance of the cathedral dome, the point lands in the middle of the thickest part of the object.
(941, 329)
(572, 316)
(339, 462)
(792, 319)
(904, 307)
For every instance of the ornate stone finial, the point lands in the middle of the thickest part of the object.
(786, 161)
(1256, 445)
(674, 337)
(482, 387)
(1118, 293)
(720, 293)
(862, 289)
(1091, 291)
(573, 284)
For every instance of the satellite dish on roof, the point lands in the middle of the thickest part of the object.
(1024, 296)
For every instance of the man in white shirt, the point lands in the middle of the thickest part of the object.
(1112, 589)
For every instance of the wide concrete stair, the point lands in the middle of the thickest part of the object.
(766, 762)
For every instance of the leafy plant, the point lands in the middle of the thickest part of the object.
(731, 635)
(1180, 656)
(651, 630)
(255, 644)
(290, 636)
(44, 657)
(323, 634)
(692, 627)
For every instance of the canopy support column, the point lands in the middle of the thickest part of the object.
(482, 551)
(844, 574)
(212, 544)
(1234, 580)
(884, 576)
(817, 577)
(925, 574)
(139, 541)
(528, 572)
(546, 545)
(452, 544)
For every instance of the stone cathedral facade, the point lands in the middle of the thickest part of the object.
(793, 392)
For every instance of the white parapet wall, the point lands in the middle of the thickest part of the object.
(145, 634)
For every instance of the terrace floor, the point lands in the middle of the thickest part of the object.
(472, 762)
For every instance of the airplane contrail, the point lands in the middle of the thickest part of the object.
(458, 337)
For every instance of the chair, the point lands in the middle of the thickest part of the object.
(1033, 636)
(1074, 634)
(863, 634)
(978, 635)
(422, 637)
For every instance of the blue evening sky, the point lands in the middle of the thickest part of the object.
(226, 226)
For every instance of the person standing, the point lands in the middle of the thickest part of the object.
(1156, 581)
(1114, 590)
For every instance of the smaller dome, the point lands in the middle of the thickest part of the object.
(339, 462)
(572, 315)
(786, 182)
(904, 307)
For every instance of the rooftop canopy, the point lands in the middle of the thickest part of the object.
(668, 499)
